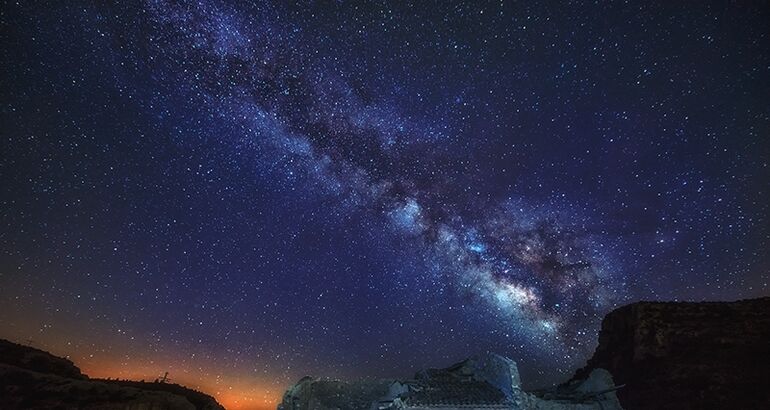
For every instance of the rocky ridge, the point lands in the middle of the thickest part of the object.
(34, 379)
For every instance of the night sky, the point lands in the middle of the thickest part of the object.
(245, 194)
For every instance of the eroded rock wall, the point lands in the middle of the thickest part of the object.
(710, 355)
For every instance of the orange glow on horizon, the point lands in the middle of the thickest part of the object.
(231, 391)
(234, 388)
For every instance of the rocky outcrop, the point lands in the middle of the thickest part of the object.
(596, 391)
(37, 360)
(486, 381)
(498, 371)
(710, 355)
(322, 394)
(34, 379)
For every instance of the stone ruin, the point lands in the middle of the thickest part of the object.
(486, 382)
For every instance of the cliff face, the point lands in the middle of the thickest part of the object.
(710, 355)
(34, 379)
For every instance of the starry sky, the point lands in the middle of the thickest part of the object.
(243, 194)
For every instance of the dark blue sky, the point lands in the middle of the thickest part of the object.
(244, 194)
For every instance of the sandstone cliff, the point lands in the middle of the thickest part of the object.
(710, 355)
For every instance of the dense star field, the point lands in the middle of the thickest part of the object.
(245, 194)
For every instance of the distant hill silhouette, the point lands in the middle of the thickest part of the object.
(34, 379)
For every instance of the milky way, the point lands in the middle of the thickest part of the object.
(540, 275)
(243, 194)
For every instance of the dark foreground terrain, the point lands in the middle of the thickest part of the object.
(659, 355)
(708, 355)
(34, 379)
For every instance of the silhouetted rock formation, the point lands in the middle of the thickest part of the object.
(710, 355)
(37, 360)
(486, 382)
(34, 379)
